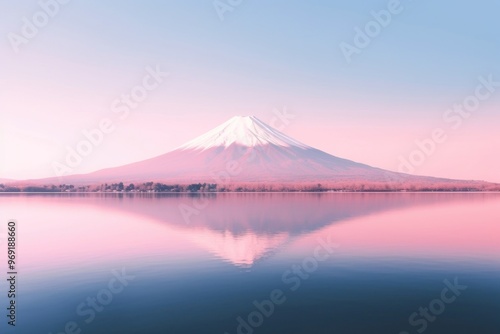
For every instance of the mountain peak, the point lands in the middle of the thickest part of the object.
(243, 121)
(247, 117)
(242, 130)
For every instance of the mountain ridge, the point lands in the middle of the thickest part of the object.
(246, 150)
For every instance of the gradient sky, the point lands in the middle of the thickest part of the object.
(263, 56)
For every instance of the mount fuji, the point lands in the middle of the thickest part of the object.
(246, 150)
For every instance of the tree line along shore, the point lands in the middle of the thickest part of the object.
(158, 187)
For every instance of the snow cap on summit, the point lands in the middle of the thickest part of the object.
(242, 130)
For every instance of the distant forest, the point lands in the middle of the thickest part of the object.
(334, 186)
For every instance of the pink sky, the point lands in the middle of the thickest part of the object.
(30, 142)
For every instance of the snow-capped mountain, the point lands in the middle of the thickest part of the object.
(246, 131)
(244, 149)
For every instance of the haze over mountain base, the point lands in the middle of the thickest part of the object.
(245, 154)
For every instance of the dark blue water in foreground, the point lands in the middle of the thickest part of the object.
(250, 263)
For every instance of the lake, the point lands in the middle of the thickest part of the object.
(255, 263)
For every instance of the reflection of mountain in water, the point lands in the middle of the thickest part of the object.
(242, 228)
(273, 213)
(241, 250)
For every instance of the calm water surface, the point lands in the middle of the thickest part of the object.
(255, 263)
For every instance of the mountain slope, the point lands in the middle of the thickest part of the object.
(245, 149)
